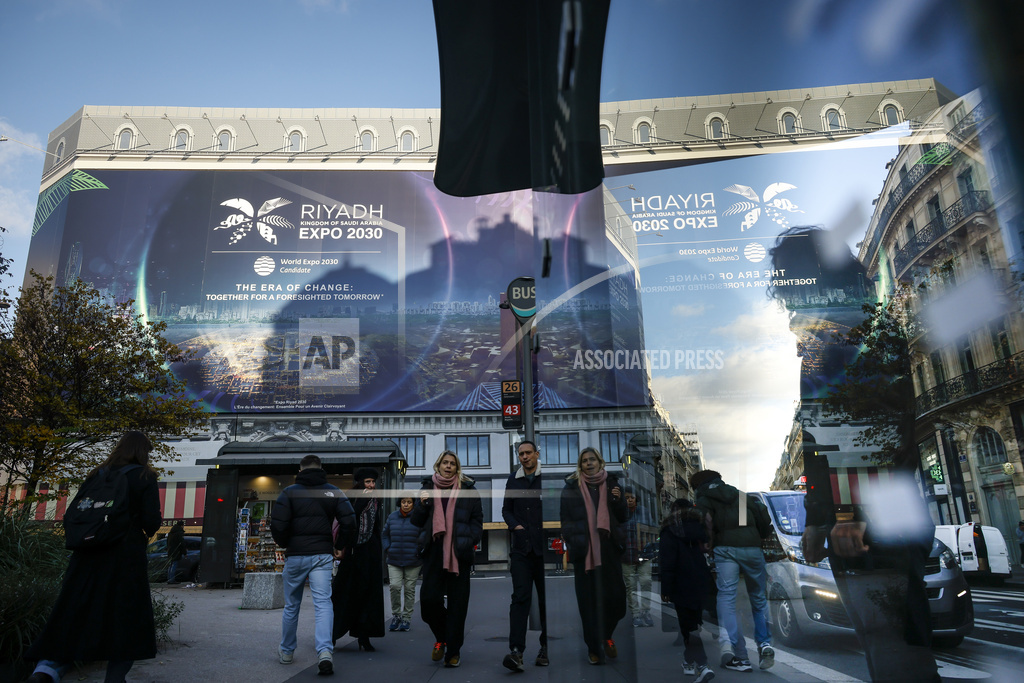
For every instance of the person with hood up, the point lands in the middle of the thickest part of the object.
(685, 580)
(592, 511)
(736, 532)
(449, 508)
(402, 544)
(356, 590)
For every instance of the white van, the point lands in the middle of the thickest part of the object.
(980, 550)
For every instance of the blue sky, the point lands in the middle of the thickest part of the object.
(59, 55)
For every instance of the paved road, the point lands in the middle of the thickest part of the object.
(217, 641)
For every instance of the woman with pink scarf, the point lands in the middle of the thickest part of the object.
(593, 510)
(449, 507)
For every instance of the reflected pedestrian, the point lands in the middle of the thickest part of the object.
(592, 512)
(403, 543)
(175, 550)
(449, 508)
(356, 590)
(636, 569)
(104, 610)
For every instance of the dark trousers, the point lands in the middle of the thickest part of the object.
(527, 571)
(689, 626)
(601, 596)
(448, 624)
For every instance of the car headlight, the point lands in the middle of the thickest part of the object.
(795, 554)
(947, 559)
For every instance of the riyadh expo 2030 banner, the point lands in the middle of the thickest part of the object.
(351, 290)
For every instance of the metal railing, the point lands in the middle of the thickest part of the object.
(973, 202)
(987, 377)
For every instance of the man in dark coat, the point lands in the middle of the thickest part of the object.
(357, 595)
(301, 523)
(523, 513)
(175, 550)
(737, 528)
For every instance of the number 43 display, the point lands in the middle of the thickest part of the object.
(511, 404)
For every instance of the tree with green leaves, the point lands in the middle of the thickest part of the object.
(76, 371)
(878, 388)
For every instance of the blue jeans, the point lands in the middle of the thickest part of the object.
(729, 562)
(116, 669)
(317, 568)
(172, 571)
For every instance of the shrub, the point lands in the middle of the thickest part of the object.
(165, 613)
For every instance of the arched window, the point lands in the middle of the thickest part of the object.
(181, 140)
(891, 115)
(295, 141)
(408, 142)
(833, 120)
(124, 140)
(789, 124)
(643, 133)
(717, 129)
(224, 141)
(366, 141)
(60, 153)
(988, 447)
(606, 136)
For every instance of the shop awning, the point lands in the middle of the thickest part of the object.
(290, 452)
(293, 458)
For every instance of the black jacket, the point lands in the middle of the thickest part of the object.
(469, 518)
(176, 542)
(720, 504)
(302, 519)
(574, 518)
(685, 576)
(522, 505)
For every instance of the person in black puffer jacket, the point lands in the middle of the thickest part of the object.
(449, 508)
(301, 523)
(593, 510)
(686, 579)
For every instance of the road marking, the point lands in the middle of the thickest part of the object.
(950, 670)
(1003, 646)
(998, 597)
(998, 626)
(822, 673)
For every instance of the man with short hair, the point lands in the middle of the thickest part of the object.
(523, 513)
(301, 523)
(736, 524)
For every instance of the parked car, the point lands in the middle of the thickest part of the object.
(804, 599)
(979, 550)
(188, 566)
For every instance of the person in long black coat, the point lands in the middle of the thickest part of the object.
(104, 610)
(357, 591)
(593, 510)
(686, 579)
(449, 508)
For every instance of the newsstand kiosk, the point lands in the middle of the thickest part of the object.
(245, 480)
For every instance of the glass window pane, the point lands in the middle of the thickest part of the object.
(643, 133)
(367, 142)
(716, 128)
(181, 140)
(295, 142)
(892, 116)
(606, 136)
(407, 142)
(224, 142)
(789, 124)
(125, 140)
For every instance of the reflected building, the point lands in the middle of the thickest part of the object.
(945, 245)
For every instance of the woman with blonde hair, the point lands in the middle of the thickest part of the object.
(592, 512)
(449, 507)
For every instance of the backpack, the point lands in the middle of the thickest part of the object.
(98, 517)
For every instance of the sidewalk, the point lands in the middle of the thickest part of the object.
(215, 640)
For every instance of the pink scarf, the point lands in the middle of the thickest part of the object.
(444, 519)
(600, 520)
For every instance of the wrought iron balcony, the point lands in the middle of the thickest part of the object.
(987, 377)
(972, 202)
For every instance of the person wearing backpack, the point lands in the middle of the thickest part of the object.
(736, 529)
(104, 610)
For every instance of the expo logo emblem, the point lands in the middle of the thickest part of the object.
(328, 353)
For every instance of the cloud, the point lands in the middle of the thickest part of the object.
(311, 6)
(743, 412)
(688, 310)
(20, 153)
(765, 324)
(20, 169)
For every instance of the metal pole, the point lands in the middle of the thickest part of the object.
(527, 346)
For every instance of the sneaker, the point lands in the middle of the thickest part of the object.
(285, 657)
(405, 625)
(737, 664)
(610, 650)
(396, 622)
(727, 656)
(647, 618)
(453, 662)
(766, 655)
(594, 658)
(689, 669)
(542, 657)
(637, 622)
(704, 673)
(513, 661)
(438, 652)
(325, 663)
